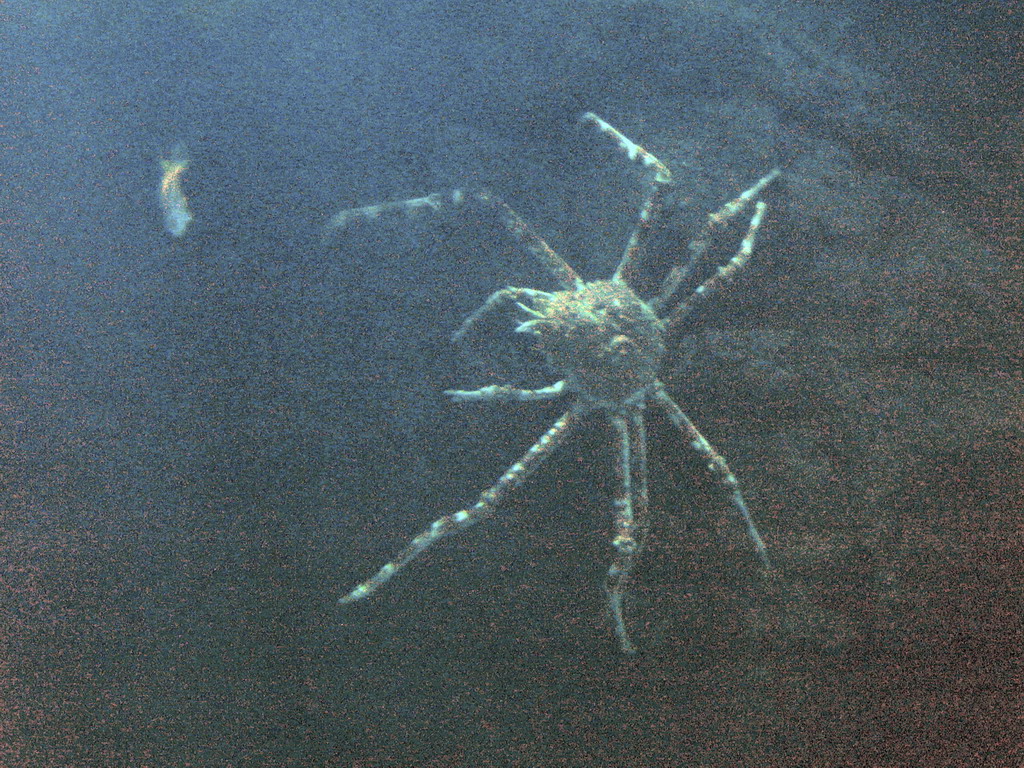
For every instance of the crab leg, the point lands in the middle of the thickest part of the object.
(716, 463)
(511, 293)
(499, 393)
(624, 543)
(641, 497)
(699, 245)
(414, 205)
(660, 180)
(630, 515)
(722, 275)
(633, 151)
(520, 230)
(532, 242)
(484, 507)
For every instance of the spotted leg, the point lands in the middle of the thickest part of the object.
(484, 507)
(716, 464)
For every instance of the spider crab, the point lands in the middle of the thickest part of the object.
(607, 344)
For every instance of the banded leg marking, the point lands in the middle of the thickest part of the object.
(649, 210)
(484, 507)
(499, 393)
(623, 542)
(633, 151)
(736, 206)
(722, 275)
(660, 180)
(699, 245)
(716, 464)
(532, 242)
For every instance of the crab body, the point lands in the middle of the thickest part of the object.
(605, 341)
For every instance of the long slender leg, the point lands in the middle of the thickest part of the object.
(624, 541)
(716, 463)
(484, 507)
(722, 275)
(414, 205)
(632, 520)
(633, 151)
(699, 245)
(660, 179)
(625, 524)
(511, 293)
(641, 498)
(534, 243)
(499, 393)
(520, 230)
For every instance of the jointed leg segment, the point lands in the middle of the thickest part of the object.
(630, 505)
(520, 230)
(500, 393)
(699, 245)
(660, 180)
(413, 205)
(534, 243)
(716, 464)
(484, 507)
(511, 293)
(723, 274)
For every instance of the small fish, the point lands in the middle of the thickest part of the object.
(176, 213)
